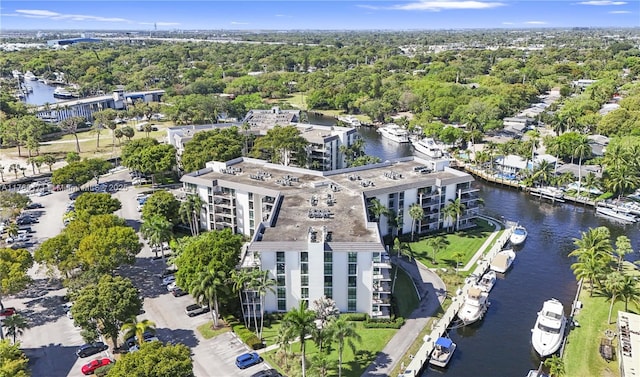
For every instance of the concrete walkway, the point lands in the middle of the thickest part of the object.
(433, 292)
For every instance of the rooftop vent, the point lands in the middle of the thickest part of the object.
(393, 175)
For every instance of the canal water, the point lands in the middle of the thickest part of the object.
(41, 94)
(499, 345)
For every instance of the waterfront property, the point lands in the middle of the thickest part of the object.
(313, 231)
(85, 107)
(323, 152)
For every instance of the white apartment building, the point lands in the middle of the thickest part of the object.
(312, 230)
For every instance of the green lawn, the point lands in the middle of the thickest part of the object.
(207, 331)
(405, 294)
(373, 341)
(582, 357)
(467, 241)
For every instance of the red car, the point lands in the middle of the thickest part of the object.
(95, 364)
(7, 312)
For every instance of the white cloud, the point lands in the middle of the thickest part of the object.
(41, 13)
(508, 23)
(239, 23)
(536, 22)
(439, 5)
(602, 2)
(620, 12)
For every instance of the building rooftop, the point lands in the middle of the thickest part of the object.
(314, 199)
(629, 343)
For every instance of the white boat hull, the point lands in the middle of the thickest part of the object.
(518, 236)
(616, 215)
(503, 261)
(548, 331)
(487, 281)
(441, 359)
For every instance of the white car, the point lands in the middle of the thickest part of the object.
(22, 237)
(168, 280)
(172, 286)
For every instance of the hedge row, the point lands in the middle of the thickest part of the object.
(355, 316)
(384, 323)
(246, 335)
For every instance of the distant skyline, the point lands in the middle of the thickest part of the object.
(315, 15)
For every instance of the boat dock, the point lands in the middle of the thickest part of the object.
(421, 358)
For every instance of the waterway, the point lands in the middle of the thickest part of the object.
(500, 344)
(41, 94)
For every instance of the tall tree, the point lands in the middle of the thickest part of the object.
(162, 204)
(70, 126)
(282, 145)
(155, 359)
(109, 303)
(377, 209)
(264, 284)
(417, 213)
(205, 290)
(190, 212)
(102, 119)
(613, 284)
(582, 150)
(437, 244)
(15, 324)
(301, 320)
(344, 333)
(13, 362)
(14, 264)
(158, 231)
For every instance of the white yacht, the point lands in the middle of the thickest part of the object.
(518, 236)
(29, 76)
(442, 353)
(63, 93)
(617, 214)
(350, 121)
(548, 332)
(487, 281)
(474, 306)
(551, 193)
(503, 260)
(394, 132)
(428, 147)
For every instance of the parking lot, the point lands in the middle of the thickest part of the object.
(52, 340)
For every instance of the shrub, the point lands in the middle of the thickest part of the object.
(355, 316)
(384, 323)
(103, 371)
(246, 335)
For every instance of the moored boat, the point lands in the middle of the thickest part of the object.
(551, 193)
(475, 305)
(394, 132)
(428, 147)
(442, 353)
(29, 76)
(619, 215)
(503, 260)
(487, 281)
(63, 93)
(518, 236)
(548, 332)
(350, 121)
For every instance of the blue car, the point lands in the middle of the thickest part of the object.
(248, 359)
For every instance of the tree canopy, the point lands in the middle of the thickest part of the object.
(80, 172)
(14, 264)
(148, 156)
(155, 359)
(163, 204)
(91, 204)
(13, 362)
(215, 145)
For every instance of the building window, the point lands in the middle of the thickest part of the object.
(352, 281)
(304, 280)
(282, 305)
(282, 293)
(328, 281)
(280, 268)
(353, 269)
(351, 305)
(328, 257)
(328, 292)
(305, 293)
(280, 256)
(304, 256)
(353, 257)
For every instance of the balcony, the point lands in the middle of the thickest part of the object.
(382, 262)
(382, 287)
(381, 301)
(383, 275)
(383, 312)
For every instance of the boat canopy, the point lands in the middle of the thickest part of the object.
(501, 260)
(444, 342)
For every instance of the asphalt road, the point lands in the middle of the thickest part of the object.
(52, 339)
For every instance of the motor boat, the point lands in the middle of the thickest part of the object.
(487, 281)
(350, 120)
(551, 193)
(518, 236)
(442, 353)
(548, 332)
(503, 260)
(617, 214)
(63, 93)
(394, 132)
(29, 76)
(474, 306)
(428, 147)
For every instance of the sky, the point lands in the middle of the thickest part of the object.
(315, 15)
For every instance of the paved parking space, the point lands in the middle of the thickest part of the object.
(53, 339)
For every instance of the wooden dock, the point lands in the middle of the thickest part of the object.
(420, 359)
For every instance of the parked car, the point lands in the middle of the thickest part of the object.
(267, 373)
(248, 359)
(132, 342)
(168, 279)
(74, 195)
(95, 364)
(44, 193)
(34, 205)
(22, 237)
(7, 312)
(26, 220)
(172, 286)
(195, 309)
(178, 292)
(91, 349)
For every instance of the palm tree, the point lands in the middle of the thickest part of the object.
(283, 340)
(555, 365)
(591, 182)
(301, 320)
(623, 247)
(13, 229)
(137, 328)
(322, 364)
(543, 172)
(157, 230)
(454, 209)
(190, 211)
(240, 279)
(205, 289)
(582, 150)
(417, 213)
(15, 324)
(613, 284)
(377, 209)
(437, 244)
(619, 180)
(263, 285)
(590, 268)
(344, 332)
(15, 168)
(630, 292)
(458, 255)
